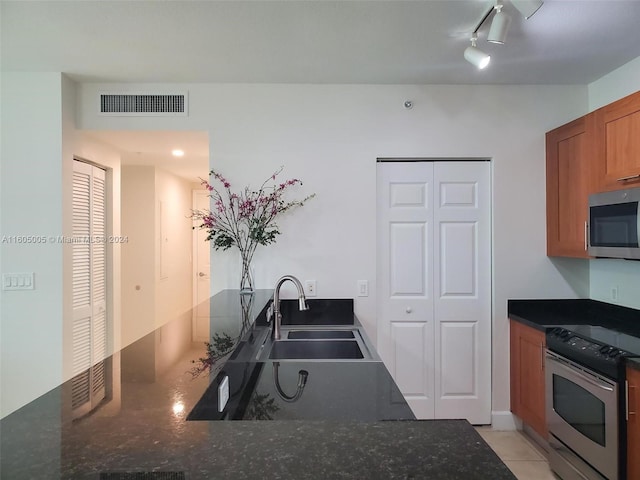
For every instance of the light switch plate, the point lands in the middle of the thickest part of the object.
(223, 393)
(363, 288)
(18, 281)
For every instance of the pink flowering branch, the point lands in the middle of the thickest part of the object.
(247, 218)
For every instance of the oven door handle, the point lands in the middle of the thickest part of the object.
(579, 373)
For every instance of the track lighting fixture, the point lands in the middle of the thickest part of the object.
(499, 25)
(527, 7)
(498, 30)
(475, 56)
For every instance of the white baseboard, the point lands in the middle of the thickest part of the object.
(505, 421)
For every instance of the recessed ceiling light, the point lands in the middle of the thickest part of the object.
(177, 153)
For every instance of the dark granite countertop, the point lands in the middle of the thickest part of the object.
(545, 314)
(581, 315)
(348, 391)
(141, 426)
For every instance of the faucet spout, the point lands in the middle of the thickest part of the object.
(277, 316)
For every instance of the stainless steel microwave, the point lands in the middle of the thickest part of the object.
(614, 224)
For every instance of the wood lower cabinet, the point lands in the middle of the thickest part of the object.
(617, 143)
(528, 376)
(633, 424)
(569, 183)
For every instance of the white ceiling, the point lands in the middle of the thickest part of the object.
(153, 148)
(313, 41)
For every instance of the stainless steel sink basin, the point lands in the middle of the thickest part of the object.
(319, 334)
(317, 344)
(315, 350)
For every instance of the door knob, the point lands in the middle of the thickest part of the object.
(201, 274)
(409, 310)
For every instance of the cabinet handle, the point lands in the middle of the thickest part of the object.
(542, 349)
(586, 236)
(629, 400)
(630, 177)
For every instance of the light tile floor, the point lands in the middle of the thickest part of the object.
(524, 458)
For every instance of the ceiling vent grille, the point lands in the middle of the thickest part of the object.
(140, 105)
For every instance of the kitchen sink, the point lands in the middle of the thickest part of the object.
(315, 350)
(319, 334)
(317, 344)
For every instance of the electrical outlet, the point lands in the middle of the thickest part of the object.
(614, 292)
(311, 287)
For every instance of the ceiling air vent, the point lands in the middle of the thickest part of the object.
(141, 105)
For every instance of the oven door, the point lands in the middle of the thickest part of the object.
(582, 412)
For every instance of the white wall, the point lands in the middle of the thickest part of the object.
(154, 296)
(617, 84)
(138, 254)
(330, 136)
(605, 274)
(31, 201)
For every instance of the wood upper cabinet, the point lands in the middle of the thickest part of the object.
(633, 423)
(594, 153)
(617, 158)
(569, 182)
(527, 347)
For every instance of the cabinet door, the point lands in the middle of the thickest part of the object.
(527, 376)
(633, 424)
(568, 185)
(618, 144)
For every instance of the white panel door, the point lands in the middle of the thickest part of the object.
(462, 287)
(201, 266)
(405, 300)
(434, 285)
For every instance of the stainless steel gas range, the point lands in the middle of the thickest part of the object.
(586, 400)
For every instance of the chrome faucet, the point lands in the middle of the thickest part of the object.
(277, 316)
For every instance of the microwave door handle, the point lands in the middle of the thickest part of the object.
(578, 373)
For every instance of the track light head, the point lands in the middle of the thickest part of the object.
(499, 26)
(527, 7)
(475, 56)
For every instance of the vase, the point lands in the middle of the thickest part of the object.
(246, 277)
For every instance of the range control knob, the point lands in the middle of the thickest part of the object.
(605, 349)
(559, 332)
(614, 353)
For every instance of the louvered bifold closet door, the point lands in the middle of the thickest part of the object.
(98, 286)
(89, 286)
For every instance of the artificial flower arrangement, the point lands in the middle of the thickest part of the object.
(247, 218)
